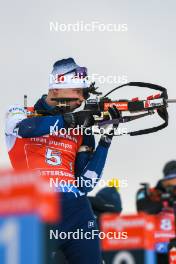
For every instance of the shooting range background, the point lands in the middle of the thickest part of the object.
(146, 52)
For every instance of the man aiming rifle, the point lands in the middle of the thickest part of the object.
(65, 157)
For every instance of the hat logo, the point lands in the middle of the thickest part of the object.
(60, 78)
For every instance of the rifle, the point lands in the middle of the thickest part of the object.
(99, 107)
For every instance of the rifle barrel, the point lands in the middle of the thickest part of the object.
(171, 101)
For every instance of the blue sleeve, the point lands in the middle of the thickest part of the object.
(83, 158)
(92, 172)
(39, 126)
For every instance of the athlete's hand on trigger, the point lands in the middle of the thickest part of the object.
(108, 130)
(114, 114)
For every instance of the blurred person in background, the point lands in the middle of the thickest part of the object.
(150, 200)
(107, 199)
(160, 198)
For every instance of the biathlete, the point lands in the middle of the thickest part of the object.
(67, 157)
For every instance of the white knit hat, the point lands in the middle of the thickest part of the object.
(67, 74)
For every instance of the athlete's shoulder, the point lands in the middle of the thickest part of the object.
(14, 114)
(15, 109)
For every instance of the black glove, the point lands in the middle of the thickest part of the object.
(114, 114)
(106, 139)
(81, 118)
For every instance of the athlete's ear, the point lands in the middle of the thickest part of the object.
(50, 92)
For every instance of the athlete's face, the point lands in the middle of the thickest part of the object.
(76, 93)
